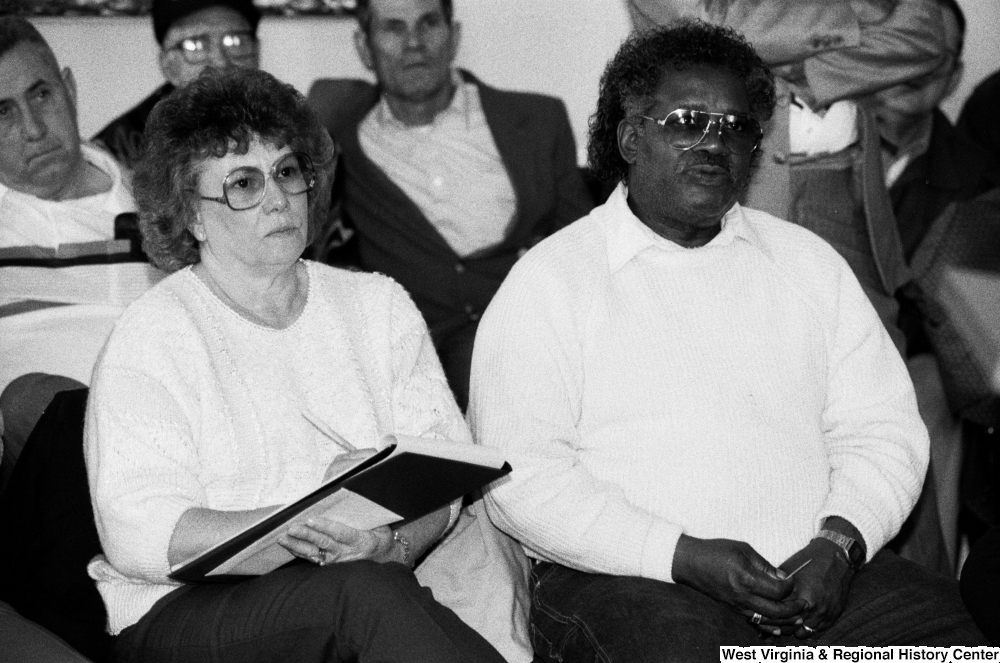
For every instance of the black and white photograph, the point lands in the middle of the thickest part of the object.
(469, 331)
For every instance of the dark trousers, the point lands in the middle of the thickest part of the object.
(586, 618)
(353, 611)
(454, 348)
(981, 584)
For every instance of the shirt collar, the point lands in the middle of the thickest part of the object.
(459, 107)
(628, 236)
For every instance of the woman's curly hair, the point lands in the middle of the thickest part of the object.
(222, 111)
(630, 80)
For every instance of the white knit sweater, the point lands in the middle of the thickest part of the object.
(745, 389)
(193, 406)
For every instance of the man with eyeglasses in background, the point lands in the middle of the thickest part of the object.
(193, 34)
(712, 434)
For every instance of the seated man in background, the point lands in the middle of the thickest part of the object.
(712, 434)
(931, 167)
(447, 181)
(928, 163)
(192, 34)
(67, 266)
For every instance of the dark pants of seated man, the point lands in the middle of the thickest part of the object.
(352, 611)
(585, 618)
(981, 584)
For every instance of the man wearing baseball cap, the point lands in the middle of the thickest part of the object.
(193, 34)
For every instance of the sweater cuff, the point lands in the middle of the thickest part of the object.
(865, 520)
(657, 560)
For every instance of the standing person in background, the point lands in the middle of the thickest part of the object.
(192, 34)
(447, 181)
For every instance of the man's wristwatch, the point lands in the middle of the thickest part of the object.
(852, 549)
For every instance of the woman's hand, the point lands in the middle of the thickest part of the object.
(326, 541)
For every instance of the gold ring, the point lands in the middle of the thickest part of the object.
(756, 618)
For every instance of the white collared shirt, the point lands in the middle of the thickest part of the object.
(450, 169)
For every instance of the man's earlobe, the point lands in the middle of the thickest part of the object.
(628, 140)
(364, 49)
(168, 67)
(70, 82)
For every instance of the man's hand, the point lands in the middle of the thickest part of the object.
(821, 586)
(735, 574)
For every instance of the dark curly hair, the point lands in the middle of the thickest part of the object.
(222, 111)
(631, 78)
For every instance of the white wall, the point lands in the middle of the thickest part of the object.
(982, 49)
(553, 46)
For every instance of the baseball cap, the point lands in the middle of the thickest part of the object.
(167, 12)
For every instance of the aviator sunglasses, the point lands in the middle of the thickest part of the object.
(686, 128)
(243, 188)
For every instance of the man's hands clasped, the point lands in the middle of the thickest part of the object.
(822, 586)
(734, 573)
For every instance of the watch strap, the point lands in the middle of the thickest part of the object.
(852, 549)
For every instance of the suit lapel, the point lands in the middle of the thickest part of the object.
(511, 129)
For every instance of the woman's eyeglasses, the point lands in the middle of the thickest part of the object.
(235, 45)
(244, 187)
(686, 128)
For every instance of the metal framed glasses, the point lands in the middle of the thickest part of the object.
(235, 45)
(686, 128)
(244, 187)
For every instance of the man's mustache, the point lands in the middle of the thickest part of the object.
(715, 160)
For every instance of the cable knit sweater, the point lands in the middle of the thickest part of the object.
(193, 406)
(641, 390)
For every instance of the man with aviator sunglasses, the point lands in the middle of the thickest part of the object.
(712, 434)
(193, 34)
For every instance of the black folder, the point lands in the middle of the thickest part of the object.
(407, 479)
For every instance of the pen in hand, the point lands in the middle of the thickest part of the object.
(804, 565)
(328, 432)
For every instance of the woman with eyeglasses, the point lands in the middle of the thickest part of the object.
(197, 419)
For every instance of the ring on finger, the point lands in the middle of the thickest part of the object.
(756, 618)
(808, 629)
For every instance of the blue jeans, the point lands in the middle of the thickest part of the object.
(581, 617)
(352, 611)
